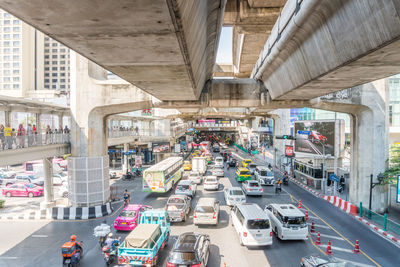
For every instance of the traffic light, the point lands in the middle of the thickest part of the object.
(286, 136)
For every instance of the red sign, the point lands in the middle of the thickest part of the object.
(289, 151)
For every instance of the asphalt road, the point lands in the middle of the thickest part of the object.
(42, 244)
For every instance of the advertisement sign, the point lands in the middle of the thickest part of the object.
(138, 161)
(161, 147)
(317, 137)
(398, 189)
(147, 112)
(177, 148)
(205, 121)
(289, 151)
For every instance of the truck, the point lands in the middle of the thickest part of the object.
(199, 164)
(143, 245)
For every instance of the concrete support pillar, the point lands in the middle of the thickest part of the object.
(60, 121)
(125, 166)
(281, 127)
(7, 117)
(48, 184)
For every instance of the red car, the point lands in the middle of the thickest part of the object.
(23, 190)
(317, 136)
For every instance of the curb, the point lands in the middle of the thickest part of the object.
(347, 207)
(63, 213)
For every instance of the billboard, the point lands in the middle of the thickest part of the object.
(319, 137)
(161, 147)
(289, 151)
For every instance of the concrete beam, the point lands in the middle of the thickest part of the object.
(323, 46)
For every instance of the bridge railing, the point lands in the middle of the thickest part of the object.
(24, 141)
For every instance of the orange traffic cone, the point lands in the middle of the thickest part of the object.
(318, 242)
(356, 247)
(312, 230)
(299, 204)
(329, 249)
(306, 215)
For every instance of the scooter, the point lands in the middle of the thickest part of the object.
(278, 188)
(110, 255)
(285, 181)
(127, 176)
(101, 232)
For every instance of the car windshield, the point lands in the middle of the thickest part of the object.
(182, 256)
(253, 184)
(176, 201)
(204, 209)
(244, 172)
(194, 174)
(211, 180)
(266, 173)
(183, 187)
(252, 166)
(258, 224)
(128, 213)
(295, 220)
(236, 192)
(30, 185)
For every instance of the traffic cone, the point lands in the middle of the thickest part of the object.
(299, 204)
(306, 215)
(318, 242)
(356, 247)
(312, 230)
(329, 249)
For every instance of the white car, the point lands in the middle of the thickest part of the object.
(252, 187)
(59, 179)
(211, 183)
(234, 196)
(195, 177)
(219, 162)
(216, 171)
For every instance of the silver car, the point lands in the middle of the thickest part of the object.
(234, 196)
(186, 187)
(206, 211)
(195, 177)
(217, 171)
(264, 175)
(178, 207)
(251, 187)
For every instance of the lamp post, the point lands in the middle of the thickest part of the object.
(323, 163)
(372, 185)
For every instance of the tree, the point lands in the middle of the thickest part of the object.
(390, 174)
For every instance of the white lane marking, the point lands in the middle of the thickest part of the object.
(338, 249)
(39, 236)
(320, 226)
(329, 236)
(8, 258)
(355, 263)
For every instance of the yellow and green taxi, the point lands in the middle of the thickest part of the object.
(242, 174)
(187, 165)
(246, 162)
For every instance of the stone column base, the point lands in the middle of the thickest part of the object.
(44, 205)
(88, 180)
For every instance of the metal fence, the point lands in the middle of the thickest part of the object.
(24, 141)
(387, 224)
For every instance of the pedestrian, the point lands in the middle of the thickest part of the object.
(29, 132)
(2, 138)
(35, 133)
(21, 136)
(8, 136)
(48, 134)
(137, 130)
(66, 130)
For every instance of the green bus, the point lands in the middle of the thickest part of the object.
(162, 176)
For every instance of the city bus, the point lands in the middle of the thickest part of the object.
(162, 176)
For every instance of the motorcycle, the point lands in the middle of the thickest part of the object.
(72, 253)
(278, 188)
(110, 255)
(285, 181)
(101, 232)
(127, 176)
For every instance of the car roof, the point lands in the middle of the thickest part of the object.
(287, 210)
(235, 188)
(243, 169)
(206, 201)
(187, 242)
(247, 160)
(263, 168)
(252, 181)
(132, 207)
(211, 176)
(252, 211)
(185, 182)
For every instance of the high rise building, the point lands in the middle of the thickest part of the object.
(31, 64)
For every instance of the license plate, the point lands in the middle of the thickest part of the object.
(67, 261)
(295, 228)
(123, 223)
(136, 263)
(258, 235)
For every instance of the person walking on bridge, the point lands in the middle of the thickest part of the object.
(8, 136)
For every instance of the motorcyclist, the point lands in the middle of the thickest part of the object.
(111, 242)
(78, 245)
(278, 184)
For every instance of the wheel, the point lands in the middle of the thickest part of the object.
(30, 194)
(8, 194)
(184, 218)
(154, 262)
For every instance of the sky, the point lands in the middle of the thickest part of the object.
(224, 54)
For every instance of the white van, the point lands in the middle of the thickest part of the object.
(252, 224)
(219, 162)
(264, 175)
(287, 221)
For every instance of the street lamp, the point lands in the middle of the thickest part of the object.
(372, 185)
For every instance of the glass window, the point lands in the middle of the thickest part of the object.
(62, 74)
(15, 86)
(46, 56)
(7, 36)
(54, 50)
(54, 56)
(16, 50)
(62, 56)
(16, 22)
(54, 62)
(16, 64)
(47, 86)
(54, 68)
(47, 45)
(62, 86)
(16, 29)
(6, 64)
(62, 50)
(47, 69)
(54, 80)
(46, 75)
(54, 74)
(46, 80)
(7, 22)
(47, 51)
(15, 72)
(6, 86)
(6, 50)
(6, 72)
(7, 15)
(54, 44)
(16, 57)
(47, 62)
(16, 43)
(62, 62)
(16, 79)
(46, 38)
(62, 68)
(7, 29)
(62, 80)
(6, 43)
(7, 58)
(258, 224)
(16, 36)
(6, 79)
(54, 86)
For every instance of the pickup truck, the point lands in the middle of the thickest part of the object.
(143, 245)
(178, 207)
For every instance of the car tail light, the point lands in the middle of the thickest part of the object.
(270, 233)
(214, 215)
(195, 265)
(194, 215)
(262, 189)
(170, 264)
(181, 214)
(244, 234)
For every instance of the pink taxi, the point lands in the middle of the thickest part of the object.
(128, 219)
(23, 190)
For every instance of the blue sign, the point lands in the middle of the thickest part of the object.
(190, 129)
(304, 132)
(112, 151)
(333, 177)
(398, 189)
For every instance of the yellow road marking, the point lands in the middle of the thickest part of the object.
(342, 236)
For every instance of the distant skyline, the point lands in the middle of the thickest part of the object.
(224, 53)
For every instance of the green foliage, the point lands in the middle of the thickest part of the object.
(390, 175)
(2, 203)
